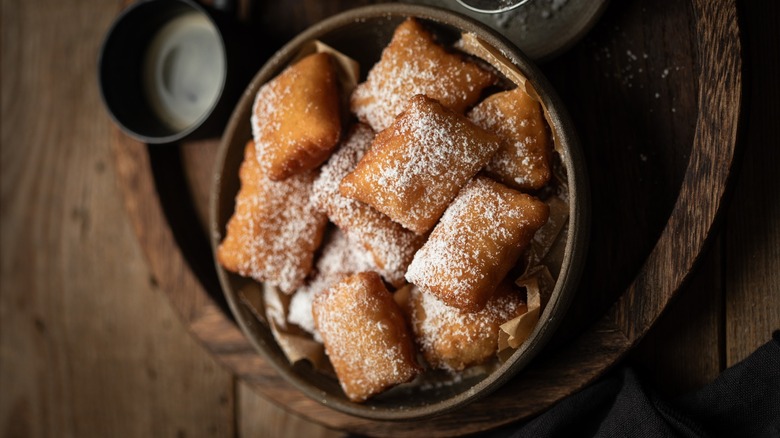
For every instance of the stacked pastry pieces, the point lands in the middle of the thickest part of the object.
(427, 186)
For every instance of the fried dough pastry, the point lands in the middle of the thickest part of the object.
(339, 259)
(416, 166)
(523, 160)
(390, 245)
(275, 229)
(296, 120)
(413, 63)
(453, 340)
(479, 238)
(365, 336)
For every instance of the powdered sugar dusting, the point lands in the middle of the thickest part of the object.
(522, 161)
(391, 246)
(479, 236)
(267, 113)
(306, 90)
(418, 164)
(275, 229)
(365, 336)
(453, 340)
(413, 63)
(340, 259)
(299, 312)
(343, 161)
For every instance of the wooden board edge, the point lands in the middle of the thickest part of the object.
(599, 348)
(707, 177)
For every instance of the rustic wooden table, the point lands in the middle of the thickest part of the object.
(89, 344)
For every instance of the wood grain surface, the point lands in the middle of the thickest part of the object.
(90, 344)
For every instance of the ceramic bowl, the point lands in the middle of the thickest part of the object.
(362, 34)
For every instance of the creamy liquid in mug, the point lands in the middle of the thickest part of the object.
(184, 69)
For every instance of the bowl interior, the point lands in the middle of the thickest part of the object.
(362, 34)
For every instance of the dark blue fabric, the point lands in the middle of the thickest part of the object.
(744, 401)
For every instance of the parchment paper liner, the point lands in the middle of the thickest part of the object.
(542, 261)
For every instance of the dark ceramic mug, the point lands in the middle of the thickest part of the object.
(174, 69)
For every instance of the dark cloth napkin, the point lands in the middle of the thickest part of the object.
(744, 401)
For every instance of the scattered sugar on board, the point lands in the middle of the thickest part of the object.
(624, 69)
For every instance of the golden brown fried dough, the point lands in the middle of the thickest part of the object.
(416, 166)
(391, 245)
(365, 336)
(340, 258)
(413, 63)
(295, 119)
(275, 229)
(479, 238)
(453, 340)
(523, 160)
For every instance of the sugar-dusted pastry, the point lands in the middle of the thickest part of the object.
(416, 166)
(275, 229)
(413, 63)
(453, 340)
(391, 245)
(296, 119)
(479, 238)
(365, 336)
(339, 259)
(523, 160)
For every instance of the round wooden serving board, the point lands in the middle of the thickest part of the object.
(655, 93)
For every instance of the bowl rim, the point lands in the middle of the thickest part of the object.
(579, 213)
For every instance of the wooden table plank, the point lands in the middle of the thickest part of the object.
(89, 346)
(258, 416)
(732, 303)
(682, 352)
(753, 237)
